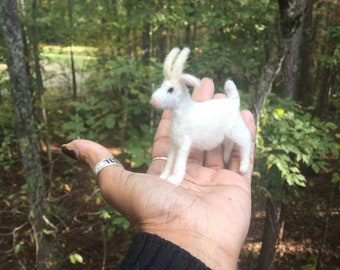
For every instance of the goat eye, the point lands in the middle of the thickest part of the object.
(170, 90)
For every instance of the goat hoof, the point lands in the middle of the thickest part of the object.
(244, 167)
(164, 175)
(175, 180)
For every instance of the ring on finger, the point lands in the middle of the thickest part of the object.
(105, 163)
(159, 158)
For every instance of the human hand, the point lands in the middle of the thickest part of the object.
(208, 214)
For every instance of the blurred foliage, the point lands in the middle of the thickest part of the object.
(290, 142)
(91, 120)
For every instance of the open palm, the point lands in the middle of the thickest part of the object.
(208, 214)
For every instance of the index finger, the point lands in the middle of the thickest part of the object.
(162, 140)
(205, 92)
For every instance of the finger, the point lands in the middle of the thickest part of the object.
(162, 139)
(86, 151)
(161, 144)
(214, 159)
(91, 153)
(205, 92)
(235, 155)
(126, 191)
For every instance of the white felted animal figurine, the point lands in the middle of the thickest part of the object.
(198, 125)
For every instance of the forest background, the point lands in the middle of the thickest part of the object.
(86, 69)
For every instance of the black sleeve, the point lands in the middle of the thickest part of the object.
(149, 251)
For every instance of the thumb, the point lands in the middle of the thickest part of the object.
(86, 151)
(126, 191)
(111, 179)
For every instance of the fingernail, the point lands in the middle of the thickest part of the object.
(69, 152)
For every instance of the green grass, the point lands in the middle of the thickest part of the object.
(61, 55)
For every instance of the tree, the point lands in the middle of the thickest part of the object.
(291, 14)
(71, 34)
(27, 138)
(38, 79)
(295, 22)
(328, 67)
(292, 22)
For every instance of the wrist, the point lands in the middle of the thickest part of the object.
(207, 251)
(153, 252)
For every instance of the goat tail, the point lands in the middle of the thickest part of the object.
(231, 91)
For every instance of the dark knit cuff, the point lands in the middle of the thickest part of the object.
(149, 251)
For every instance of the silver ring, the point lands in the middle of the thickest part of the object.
(159, 158)
(105, 163)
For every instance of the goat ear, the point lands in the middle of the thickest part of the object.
(190, 80)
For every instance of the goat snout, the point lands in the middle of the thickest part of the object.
(153, 101)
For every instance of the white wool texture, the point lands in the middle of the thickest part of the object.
(198, 125)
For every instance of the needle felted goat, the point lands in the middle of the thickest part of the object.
(198, 125)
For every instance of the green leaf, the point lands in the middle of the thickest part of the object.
(110, 121)
(106, 214)
(315, 167)
(331, 125)
(336, 178)
(18, 247)
(76, 258)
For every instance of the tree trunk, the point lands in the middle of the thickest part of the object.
(327, 80)
(39, 83)
(263, 86)
(270, 235)
(327, 68)
(12, 34)
(335, 187)
(73, 69)
(146, 44)
(305, 90)
(286, 57)
(292, 25)
(260, 91)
